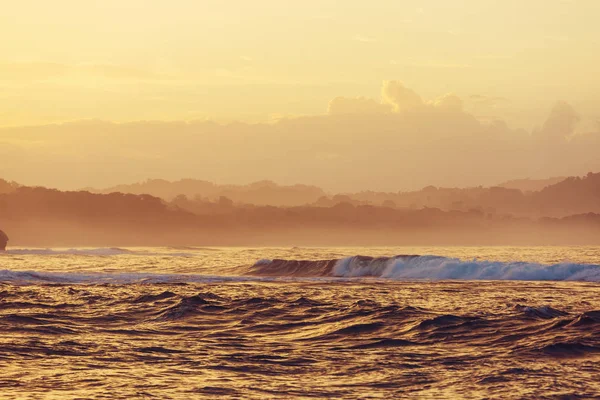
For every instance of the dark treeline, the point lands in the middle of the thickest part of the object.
(48, 217)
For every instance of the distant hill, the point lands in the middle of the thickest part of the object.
(564, 213)
(48, 217)
(573, 195)
(531, 185)
(7, 187)
(258, 193)
(552, 197)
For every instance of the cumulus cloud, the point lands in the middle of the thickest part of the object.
(449, 102)
(399, 96)
(561, 122)
(395, 98)
(399, 143)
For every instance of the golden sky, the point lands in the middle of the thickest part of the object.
(257, 61)
(181, 59)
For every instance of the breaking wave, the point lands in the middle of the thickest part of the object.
(413, 267)
(400, 268)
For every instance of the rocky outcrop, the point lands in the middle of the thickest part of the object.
(3, 241)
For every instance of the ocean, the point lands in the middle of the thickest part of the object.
(300, 323)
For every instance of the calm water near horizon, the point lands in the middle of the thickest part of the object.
(181, 323)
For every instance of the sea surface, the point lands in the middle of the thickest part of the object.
(300, 323)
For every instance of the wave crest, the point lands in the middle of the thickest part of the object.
(428, 267)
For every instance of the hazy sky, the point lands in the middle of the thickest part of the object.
(256, 61)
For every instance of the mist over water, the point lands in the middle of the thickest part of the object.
(462, 322)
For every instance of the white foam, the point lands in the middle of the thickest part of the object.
(439, 268)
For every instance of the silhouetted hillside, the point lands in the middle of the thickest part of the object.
(48, 217)
(493, 200)
(573, 195)
(531, 185)
(7, 187)
(564, 197)
(259, 193)
(38, 215)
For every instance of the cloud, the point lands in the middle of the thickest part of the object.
(395, 98)
(356, 105)
(487, 101)
(401, 142)
(561, 123)
(449, 102)
(399, 96)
